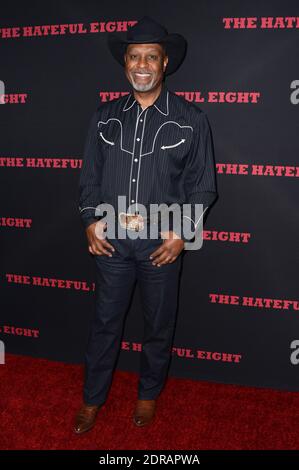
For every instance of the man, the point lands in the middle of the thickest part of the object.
(153, 147)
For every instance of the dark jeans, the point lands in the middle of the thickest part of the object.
(115, 281)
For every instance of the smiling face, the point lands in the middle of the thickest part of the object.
(145, 65)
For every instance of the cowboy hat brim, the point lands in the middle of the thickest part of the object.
(175, 44)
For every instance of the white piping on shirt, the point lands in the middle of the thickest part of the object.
(121, 133)
(140, 157)
(133, 156)
(167, 122)
(84, 208)
(153, 147)
(174, 145)
(160, 110)
(167, 112)
(196, 223)
(108, 141)
(128, 99)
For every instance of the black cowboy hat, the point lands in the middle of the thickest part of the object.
(148, 31)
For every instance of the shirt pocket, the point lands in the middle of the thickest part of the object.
(107, 144)
(172, 146)
(176, 149)
(105, 141)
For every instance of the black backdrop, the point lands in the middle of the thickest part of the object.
(238, 317)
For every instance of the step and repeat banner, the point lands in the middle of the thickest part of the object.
(238, 317)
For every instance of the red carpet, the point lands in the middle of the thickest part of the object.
(39, 399)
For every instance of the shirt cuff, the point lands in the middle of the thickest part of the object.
(88, 217)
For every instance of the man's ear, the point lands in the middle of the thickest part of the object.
(125, 52)
(165, 62)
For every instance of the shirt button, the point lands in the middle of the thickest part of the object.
(141, 120)
(135, 159)
(138, 138)
(132, 200)
(133, 180)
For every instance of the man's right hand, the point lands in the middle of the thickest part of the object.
(97, 245)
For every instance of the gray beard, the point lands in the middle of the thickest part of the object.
(142, 86)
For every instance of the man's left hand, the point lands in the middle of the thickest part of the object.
(169, 250)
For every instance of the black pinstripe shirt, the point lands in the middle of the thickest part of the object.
(160, 154)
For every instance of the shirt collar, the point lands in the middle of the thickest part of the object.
(161, 103)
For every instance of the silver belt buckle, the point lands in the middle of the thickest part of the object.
(131, 221)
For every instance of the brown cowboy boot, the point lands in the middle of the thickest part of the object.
(144, 412)
(85, 418)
